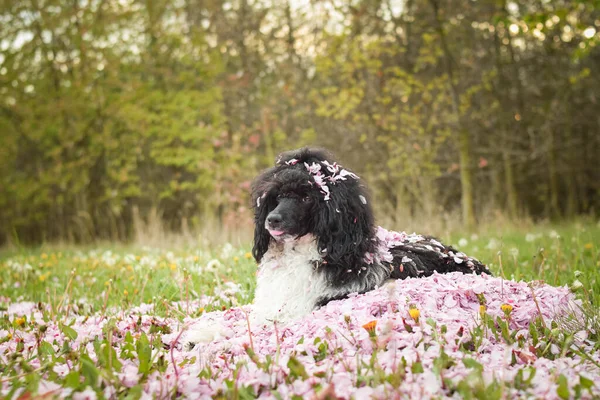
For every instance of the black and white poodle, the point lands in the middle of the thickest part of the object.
(315, 240)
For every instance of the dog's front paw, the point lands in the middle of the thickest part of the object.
(201, 335)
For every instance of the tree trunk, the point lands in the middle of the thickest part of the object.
(509, 184)
(466, 179)
(464, 137)
(507, 125)
(554, 211)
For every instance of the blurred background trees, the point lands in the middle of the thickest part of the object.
(116, 113)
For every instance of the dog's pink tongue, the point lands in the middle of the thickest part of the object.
(276, 233)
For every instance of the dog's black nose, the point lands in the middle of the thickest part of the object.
(274, 219)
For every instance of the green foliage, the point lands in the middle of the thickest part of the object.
(112, 114)
(144, 353)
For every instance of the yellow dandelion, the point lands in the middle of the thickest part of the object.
(129, 268)
(414, 313)
(20, 321)
(248, 255)
(507, 308)
(201, 310)
(236, 259)
(108, 282)
(173, 267)
(125, 292)
(43, 277)
(370, 327)
(44, 256)
(196, 258)
(588, 246)
(135, 291)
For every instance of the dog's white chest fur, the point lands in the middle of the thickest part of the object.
(288, 285)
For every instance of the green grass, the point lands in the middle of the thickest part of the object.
(110, 276)
(558, 255)
(122, 277)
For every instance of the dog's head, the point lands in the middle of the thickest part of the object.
(307, 192)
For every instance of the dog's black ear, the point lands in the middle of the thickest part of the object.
(345, 230)
(261, 235)
(260, 200)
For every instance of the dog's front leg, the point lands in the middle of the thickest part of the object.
(201, 334)
(210, 327)
(216, 326)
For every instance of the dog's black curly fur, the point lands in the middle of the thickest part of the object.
(288, 198)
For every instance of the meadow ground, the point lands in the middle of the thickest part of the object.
(106, 322)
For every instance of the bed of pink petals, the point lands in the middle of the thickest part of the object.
(450, 300)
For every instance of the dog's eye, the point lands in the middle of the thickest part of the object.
(306, 199)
